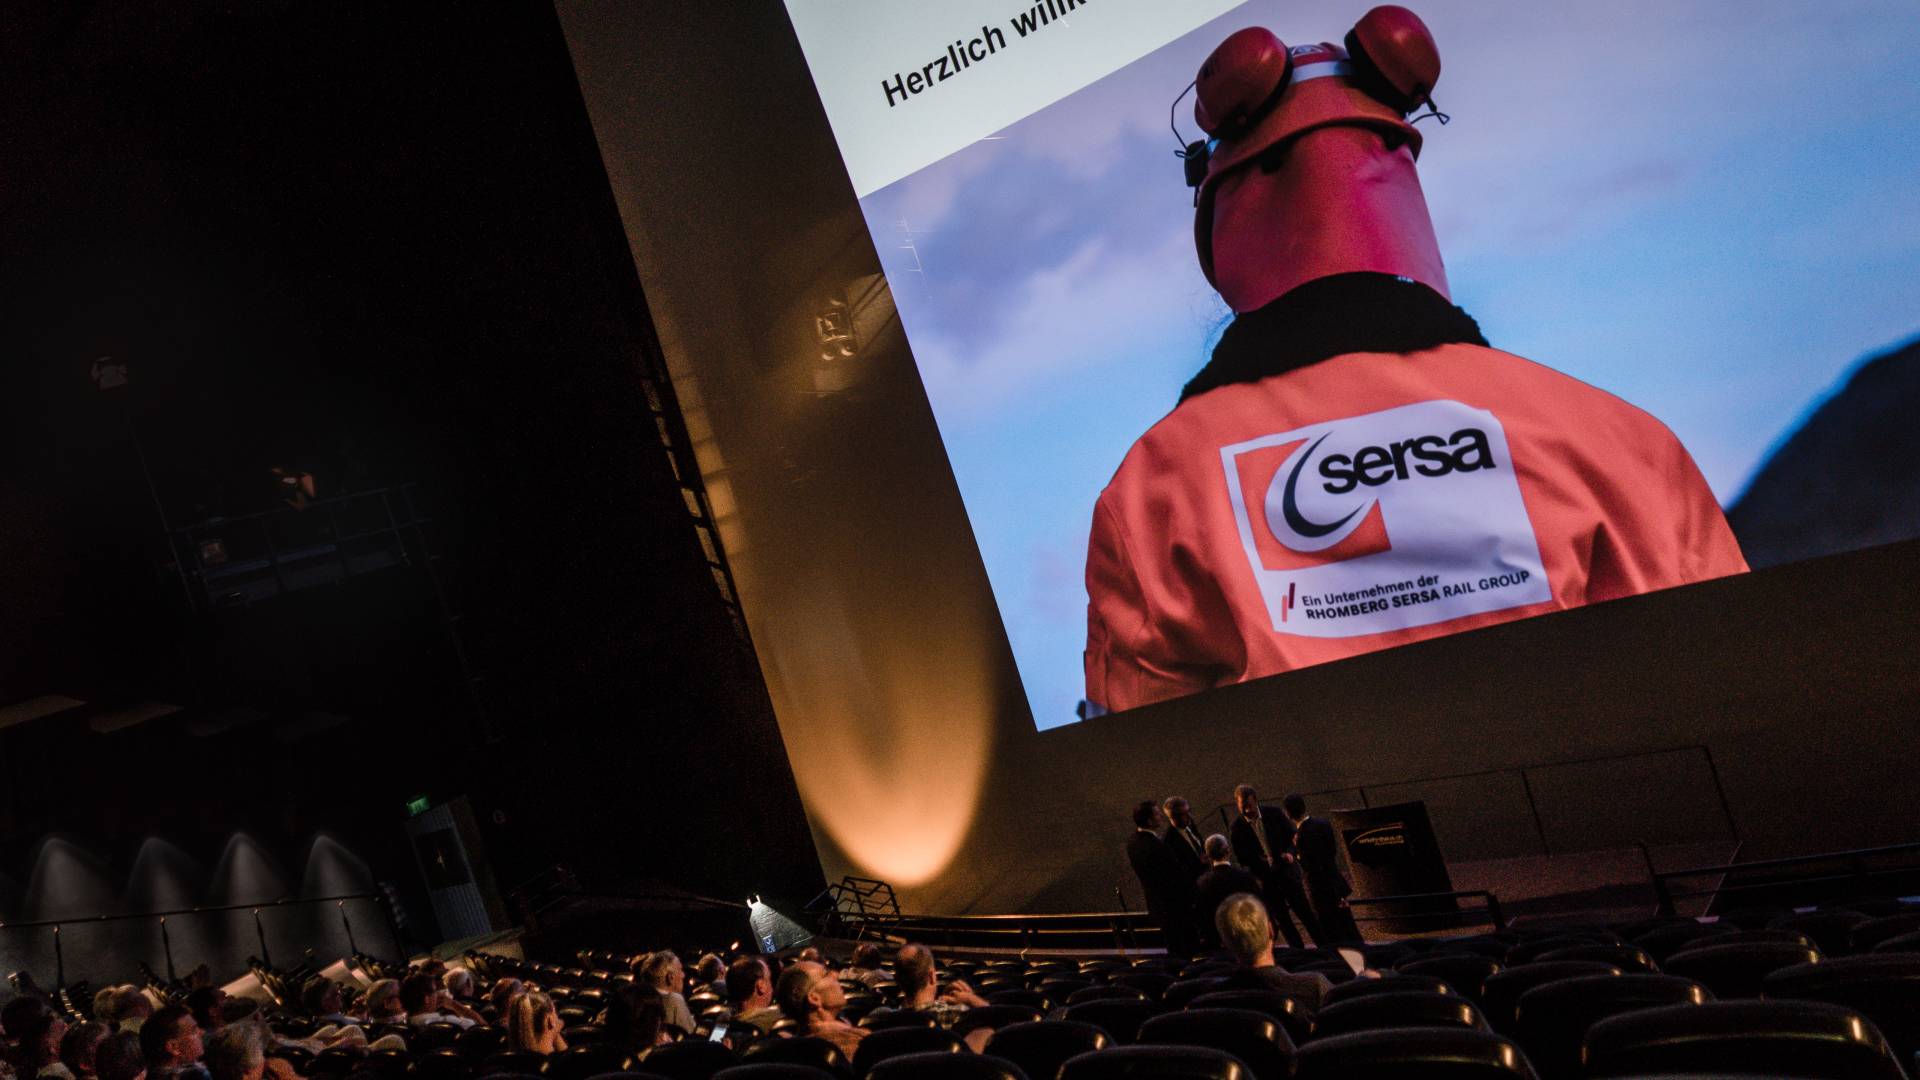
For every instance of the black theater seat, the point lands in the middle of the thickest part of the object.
(1900, 943)
(1534, 948)
(1735, 971)
(1041, 1048)
(1743, 937)
(447, 1064)
(629, 1075)
(1032, 999)
(1864, 936)
(811, 1051)
(1292, 1013)
(478, 1042)
(1884, 987)
(1828, 929)
(1178, 994)
(1121, 1017)
(1663, 941)
(690, 1059)
(1258, 1040)
(1465, 972)
(895, 1042)
(1502, 990)
(1060, 987)
(1393, 982)
(507, 1061)
(1774, 1038)
(994, 1016)
(438, 1036)
(1495, 945)
(947, 1067)
(1413, 1009)
(1106, 992)
(1202, 969)
(1151, 983)
(1412, 1054)
(1156, 1063)
(772, 1070)
(581, 1062)
(391, 1064)
(1551, 1019)
(1624, 957)
(896, 1018)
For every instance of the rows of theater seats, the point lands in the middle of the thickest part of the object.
(1832, 993)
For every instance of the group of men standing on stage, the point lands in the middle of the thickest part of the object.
(1285, 856)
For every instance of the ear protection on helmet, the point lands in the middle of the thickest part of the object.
(1394, 58)
(1391, 57)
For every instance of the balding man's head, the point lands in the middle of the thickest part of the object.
(807, 989)
(913, 967)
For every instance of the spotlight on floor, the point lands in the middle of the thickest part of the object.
(773, 931)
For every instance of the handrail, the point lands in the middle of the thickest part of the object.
(1491, 912)
(166, 938)
(1857, 871)
(1227, 810)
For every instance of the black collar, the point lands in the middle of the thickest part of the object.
(1333, 316)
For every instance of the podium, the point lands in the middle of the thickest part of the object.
(1391, 851)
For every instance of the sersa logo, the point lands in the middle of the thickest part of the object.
(1401, 495)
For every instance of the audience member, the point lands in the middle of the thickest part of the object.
(813, 997)
(131, 1008)
(503, 993)
(1221, 880)
(865, 968)
(913, 969)
(1247, 932)
(661, 971)
(208, 1005)
(382, 1003)
(534, 1025)
(811, 955)
(104, 1002)
(171, 1041)
(119, 1057)
(635, 1018)
(710, 972)
(35, 1031)
(425, 1003)
(324, 1003)
(237, 1052)
(81, 1045)
(750, 990)
(459, 985)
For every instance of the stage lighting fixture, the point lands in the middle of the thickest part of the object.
(213, 553)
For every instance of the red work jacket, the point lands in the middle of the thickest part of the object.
(1375, 499)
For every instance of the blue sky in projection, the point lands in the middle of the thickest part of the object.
(1710, 210)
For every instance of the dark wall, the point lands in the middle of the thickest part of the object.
(374, 243)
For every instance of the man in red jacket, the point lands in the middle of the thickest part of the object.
(1355, 468)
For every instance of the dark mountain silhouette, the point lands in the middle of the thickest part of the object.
(1849, 478)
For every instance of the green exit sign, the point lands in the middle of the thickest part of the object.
(417, 805)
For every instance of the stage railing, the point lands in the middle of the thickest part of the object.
(1489, 911)
(1849, 866)
(19, 937)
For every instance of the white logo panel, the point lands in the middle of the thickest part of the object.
(1405, 517)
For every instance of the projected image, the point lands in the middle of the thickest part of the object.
(1377, 378)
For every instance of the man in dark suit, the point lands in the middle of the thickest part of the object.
(1183, 839)
(1327, 887)
(1263, 842)
(1221, 880)
(1168, 889)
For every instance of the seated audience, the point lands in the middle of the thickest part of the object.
(237, 1052)
(323, 1001)
(913, 969)
(78, 1049)
(865, 968)
(103, 1005)
(534, 1025)
(1218, 881)
(1247, 933)
(503, 992)
(813, 997)
(35, 1032)
(131, 1007)
(382, 1003)
(635, 1018)
(661, 971)
(710, 972)
(119, 1057)
(426, 1003)
(171, 1041)
(750, 990)
(459, 986)
(208, 1004)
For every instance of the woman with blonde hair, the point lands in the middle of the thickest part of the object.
(534, 1024)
